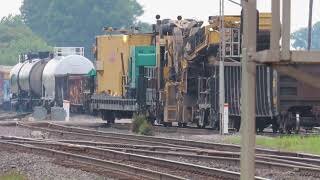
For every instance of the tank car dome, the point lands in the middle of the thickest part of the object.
(75, 65)
(63, 66)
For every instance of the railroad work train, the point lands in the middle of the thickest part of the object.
(171, 76)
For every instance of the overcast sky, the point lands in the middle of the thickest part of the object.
(200, 10)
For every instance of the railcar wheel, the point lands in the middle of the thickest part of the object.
(112, 120)
(167, 124)
(260, 129)
(184, 125)
(281, 131)
(297, 130)
(275, 128)
(108, 116)
(201, 122)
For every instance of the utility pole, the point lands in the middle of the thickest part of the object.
(221, 67)
(310, 25)
(248, 90)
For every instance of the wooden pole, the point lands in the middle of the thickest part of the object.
(276, 25)
(286, 29)
(310, 25)
(248, 90)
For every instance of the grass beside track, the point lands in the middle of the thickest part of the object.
(12, 176)
(292, 143)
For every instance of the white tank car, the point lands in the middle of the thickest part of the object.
(30, 76)
(61, 67)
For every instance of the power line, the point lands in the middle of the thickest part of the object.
(234, 2)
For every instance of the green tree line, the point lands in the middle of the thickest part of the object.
(300, 38)
(17, 38)
(77, 22)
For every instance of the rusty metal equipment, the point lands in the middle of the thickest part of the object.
(188, 57)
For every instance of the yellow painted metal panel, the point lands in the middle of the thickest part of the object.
(265, 21)
(234, 21)
(109, 50)
(214, 37)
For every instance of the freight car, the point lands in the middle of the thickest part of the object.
(299, 103)
(45, 80)
(68, 76)
(5, 87)
(26, 81)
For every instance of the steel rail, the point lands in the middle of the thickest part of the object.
(261, 162)
(176, 151)
(168, 141)
(103, 138)
(178, 142)
(110, 154)
(114, 166)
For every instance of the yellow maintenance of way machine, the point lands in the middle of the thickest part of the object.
(171, 74)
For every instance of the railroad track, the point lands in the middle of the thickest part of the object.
(196, 131)
(13, 116)
(283, 160)
(119, 169)
(62, 134)
(193, 153)
(229, 157)
(180, 170)
(272, 164)
(148, 140)
(162, 129)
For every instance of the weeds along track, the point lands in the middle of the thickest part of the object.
(99, 156)
(149, 159)
(148, 140)
(162, 129)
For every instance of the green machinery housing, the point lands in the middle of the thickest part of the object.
(141, 75)
(142, 58)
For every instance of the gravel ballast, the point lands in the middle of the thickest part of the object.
(38, 168)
